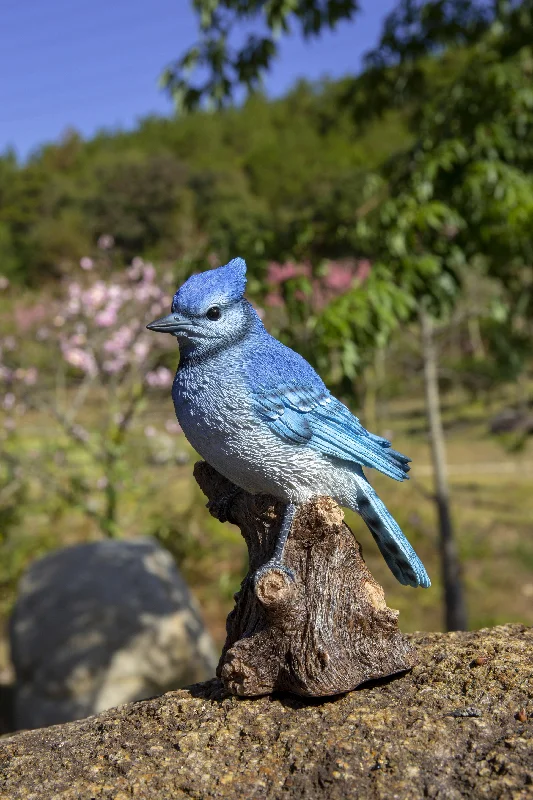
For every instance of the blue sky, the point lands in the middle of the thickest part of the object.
(90, 64)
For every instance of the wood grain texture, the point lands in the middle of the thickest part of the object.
(324, 633)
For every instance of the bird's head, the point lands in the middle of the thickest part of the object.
(209, 310)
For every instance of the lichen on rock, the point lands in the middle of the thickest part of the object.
(459, 725)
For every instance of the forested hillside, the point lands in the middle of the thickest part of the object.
(269, 180)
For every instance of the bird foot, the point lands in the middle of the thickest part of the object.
(272, 565)
(220, 507)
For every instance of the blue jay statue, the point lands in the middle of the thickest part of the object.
(258, 413)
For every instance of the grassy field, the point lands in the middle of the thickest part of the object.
(491, 492)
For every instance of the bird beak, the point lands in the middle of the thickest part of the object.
(172, 323)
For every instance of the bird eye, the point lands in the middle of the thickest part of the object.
(213, 313)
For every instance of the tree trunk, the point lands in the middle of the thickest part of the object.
(323, 632)
(374, 379)
(454, 603)
(476, 340)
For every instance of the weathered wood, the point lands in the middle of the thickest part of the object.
(324, 633)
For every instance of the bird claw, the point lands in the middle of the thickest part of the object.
(220, 507)
(269, 567)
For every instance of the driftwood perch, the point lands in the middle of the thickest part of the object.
(324, 633)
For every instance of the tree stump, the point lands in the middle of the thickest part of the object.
(322, 634)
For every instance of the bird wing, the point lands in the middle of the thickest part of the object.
(303, 415)
(293, 401)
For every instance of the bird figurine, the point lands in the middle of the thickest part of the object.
(258, 413)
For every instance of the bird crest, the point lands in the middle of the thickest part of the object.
(221, 286)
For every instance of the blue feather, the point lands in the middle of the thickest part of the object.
(329, 427)
(292, 427)
(402, 560)
(222, 285)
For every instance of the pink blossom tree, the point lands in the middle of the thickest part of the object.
(97, 353)
(310, 308)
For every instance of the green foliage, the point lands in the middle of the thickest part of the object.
(463, 193)
(8, 255)
(417, 27)
(270, 180)
(227, 64)
(144, 201)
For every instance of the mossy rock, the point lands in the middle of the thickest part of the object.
(460, 724)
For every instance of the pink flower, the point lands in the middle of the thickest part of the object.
(95, 296)
(114, 292)
(74, 289)
(119, 340)
(86, 263)
(140, 350)
(146, 291)
(105, 242)
(134, 271)
(80, 359)
(274, 300)
(9, 401)
(78, 340)
(107, 317)
(149, 273)
(102, 483)
(363, 269)
(279, 273)
(30, 377)
(150, 431)
(4, 282)
(73, 306)
(172, 426)
(114, 365)
(160, 378)
(339, 276)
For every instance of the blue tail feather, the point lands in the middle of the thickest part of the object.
(402, 560)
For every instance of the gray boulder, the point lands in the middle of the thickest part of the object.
(101, 624)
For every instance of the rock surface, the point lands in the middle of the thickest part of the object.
(101, 624)
(459, 725)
